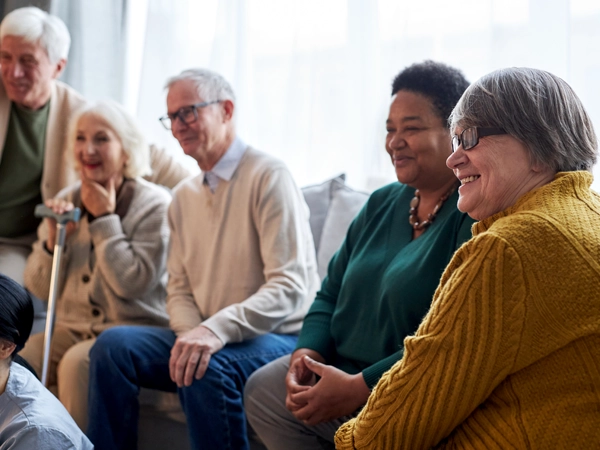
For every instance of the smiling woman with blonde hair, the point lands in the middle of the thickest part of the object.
(114, 261)
(509, 354)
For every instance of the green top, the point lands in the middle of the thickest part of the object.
(21, 169)
(380, 283)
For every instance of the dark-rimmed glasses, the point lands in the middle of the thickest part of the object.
(469, 138)
(187, 114)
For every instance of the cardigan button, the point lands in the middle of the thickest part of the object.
(85, 278)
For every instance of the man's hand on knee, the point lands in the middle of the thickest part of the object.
(191, 354)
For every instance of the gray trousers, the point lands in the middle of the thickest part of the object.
(264, 402)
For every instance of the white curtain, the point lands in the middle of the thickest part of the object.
(313, 78)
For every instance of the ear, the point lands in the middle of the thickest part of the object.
(228, 108)
(6, 348)
(60, 66)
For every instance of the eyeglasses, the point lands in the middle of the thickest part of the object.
(469, 138)
(187, 114)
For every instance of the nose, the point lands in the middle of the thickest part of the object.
(456, 159)
(17, 70)
(396, 142)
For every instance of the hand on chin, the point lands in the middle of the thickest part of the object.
(98, 198)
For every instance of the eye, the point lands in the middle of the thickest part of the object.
(80, 138)
(28, 61)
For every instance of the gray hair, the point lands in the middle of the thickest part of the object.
(211, 85)
(35, 25)
(126, 129)
(536, 107)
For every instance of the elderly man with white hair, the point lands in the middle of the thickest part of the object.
(242, 274)
(35, 109)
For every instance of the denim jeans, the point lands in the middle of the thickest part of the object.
(126, 358)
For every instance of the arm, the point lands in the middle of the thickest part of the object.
(465, 347)
(281, 221)
(132, 263)
(166, 171)
(184, 314)
(38, 268)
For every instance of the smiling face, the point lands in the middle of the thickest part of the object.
(208, 138)
(27, 72)
(495, 174)
(98, 150)
(417, 141)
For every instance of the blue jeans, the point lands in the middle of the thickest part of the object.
(125, 358)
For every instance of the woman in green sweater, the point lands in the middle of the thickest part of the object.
(380, 283)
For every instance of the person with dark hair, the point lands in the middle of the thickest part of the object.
(381, 281)
(30, 416)
(508, 356)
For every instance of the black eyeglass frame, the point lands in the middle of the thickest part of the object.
(471, 138)
(167, 119)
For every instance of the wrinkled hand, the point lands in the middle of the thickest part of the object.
(336, 394)
(97, 199)
(59, 206)
(191, 353)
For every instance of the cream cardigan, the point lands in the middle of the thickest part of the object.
(127, 282)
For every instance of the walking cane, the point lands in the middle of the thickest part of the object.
(42, 211)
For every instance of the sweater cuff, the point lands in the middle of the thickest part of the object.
(105, 227)
(374, 372)
(223, 327)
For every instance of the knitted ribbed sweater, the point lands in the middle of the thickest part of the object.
(509, 354)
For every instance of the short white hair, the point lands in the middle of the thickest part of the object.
(35, 25)
(125, 127)
(211, 85)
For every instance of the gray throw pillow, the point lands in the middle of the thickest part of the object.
(333, 206)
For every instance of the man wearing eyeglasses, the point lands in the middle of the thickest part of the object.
(242, 274)
(35, 109)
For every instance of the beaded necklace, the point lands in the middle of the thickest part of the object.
(414, 205)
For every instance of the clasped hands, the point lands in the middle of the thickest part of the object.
(97, 200)
(334, 395)
(191, 354)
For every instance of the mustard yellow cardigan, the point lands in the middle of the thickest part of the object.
(509, 354)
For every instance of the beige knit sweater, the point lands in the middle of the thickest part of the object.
(509, 354)
(241, 260)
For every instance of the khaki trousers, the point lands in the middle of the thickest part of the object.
(69, 368)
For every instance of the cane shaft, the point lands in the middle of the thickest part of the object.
(58, 247)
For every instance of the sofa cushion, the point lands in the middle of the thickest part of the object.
(333, 206)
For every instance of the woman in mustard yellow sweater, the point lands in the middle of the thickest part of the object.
(509, 354)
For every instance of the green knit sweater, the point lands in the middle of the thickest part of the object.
(380, 283)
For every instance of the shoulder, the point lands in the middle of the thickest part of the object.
(147, 192)
(388, 196)
(189, 186)
(66, 95)
(259, 163)
(42, 437)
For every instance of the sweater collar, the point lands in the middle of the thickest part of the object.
(564, 184)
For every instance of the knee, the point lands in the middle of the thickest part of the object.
(110, 343)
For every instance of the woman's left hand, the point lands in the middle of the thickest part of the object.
(336, 394)
(97, 199)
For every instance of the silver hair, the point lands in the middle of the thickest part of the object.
(35, 25)
(125, 127)
(211, 85)
(536, 107)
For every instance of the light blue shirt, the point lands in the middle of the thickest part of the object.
(32, 418)
(225, 167)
